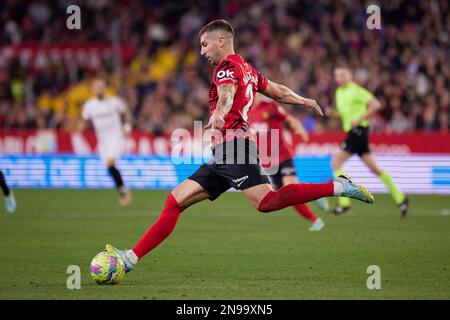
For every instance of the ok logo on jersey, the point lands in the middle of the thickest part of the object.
(227, 73)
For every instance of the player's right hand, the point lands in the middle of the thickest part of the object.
(215, 122)
(312, 104)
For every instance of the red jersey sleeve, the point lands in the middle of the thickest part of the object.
(226, 74)
(279, 112)
(262, 83)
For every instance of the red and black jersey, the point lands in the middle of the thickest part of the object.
(269, 115)
(247, 81)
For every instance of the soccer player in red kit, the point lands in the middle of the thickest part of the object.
(266, 116)
(235, 162)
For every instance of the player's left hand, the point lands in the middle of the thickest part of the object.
(312, 104)
(127, 128)
(303, 134)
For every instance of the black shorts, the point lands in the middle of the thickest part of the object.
(286, 169)
(235, 164)
(357, 141)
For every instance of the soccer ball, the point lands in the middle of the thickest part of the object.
(107, 268)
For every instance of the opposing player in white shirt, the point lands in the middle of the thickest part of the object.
(10, 201)
(106, 113)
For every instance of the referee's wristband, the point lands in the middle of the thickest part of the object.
(127, 128)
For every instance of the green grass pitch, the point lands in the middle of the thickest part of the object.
(225, 249)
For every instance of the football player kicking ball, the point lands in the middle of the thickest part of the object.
(10, 201)
(267, 115)
(235, 162)
(105, 113)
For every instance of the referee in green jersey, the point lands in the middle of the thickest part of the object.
(355, 105)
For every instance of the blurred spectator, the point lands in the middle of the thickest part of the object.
(405, 63)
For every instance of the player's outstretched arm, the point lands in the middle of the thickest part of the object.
(297, 127)
(80, 125)
(283, 94)
(127, 121)
(372, 107)
(226, 94)
(333, 113)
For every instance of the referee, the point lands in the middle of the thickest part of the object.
(355, 105)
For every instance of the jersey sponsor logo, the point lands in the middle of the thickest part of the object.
(227, 73)
(240, 180)
(224, 79)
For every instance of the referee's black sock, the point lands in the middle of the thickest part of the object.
(117, 179)
(3, 185)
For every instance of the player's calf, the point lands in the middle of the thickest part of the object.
(117, 177)
(10, 201)
(289, 195)
(298, 193)
(3, 185)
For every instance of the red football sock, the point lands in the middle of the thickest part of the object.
(305, 212)
(296, 193)
(161, 229)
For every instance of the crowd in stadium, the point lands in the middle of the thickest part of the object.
(165, 83)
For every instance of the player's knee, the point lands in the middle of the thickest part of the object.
(264, 204)
(257, 202)
(186, 195)
(334, 164)
(178, 196)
